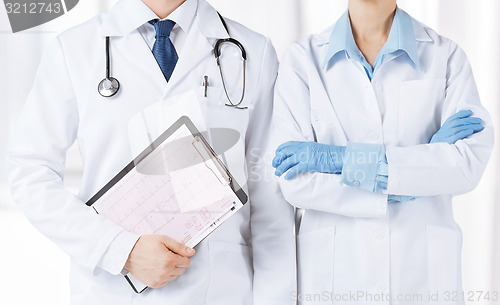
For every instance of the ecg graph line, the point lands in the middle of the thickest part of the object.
(180, 203)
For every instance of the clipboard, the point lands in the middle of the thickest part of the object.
(158, 190)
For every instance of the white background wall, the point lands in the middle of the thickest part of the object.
(34, 271)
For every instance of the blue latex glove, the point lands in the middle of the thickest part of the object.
(457, 127)
(382, 181)
(400, 198)
(297, 157)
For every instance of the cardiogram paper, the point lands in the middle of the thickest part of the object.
(174, 191)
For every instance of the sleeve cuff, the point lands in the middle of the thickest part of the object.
(364, 164)
(400, 198)
(116, 255)
(382, 178)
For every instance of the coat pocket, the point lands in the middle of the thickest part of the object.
(315, 266)
(231, 274)
(327, 129)
(227, 131)
(443, 267)
(420, 105)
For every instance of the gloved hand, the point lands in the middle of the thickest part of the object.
(297, 157)
(457, 127)
(400, 198)
(382, 181)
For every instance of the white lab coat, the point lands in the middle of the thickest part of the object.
(352, 241)
(250, 259)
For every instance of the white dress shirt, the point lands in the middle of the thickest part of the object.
(183, 17)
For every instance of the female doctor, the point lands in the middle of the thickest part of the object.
(380, 125)
(159, 49)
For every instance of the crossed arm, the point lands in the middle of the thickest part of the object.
(295, 157)
(316, 176)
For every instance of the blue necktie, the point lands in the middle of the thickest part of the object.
(163, 49)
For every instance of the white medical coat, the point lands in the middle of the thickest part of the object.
(354, 247)
(250, 259)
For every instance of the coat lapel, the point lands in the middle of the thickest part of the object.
(121, 23)
(200, 41)
(139, 56)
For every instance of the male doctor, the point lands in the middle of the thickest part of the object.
(159, 49)
(378, 124)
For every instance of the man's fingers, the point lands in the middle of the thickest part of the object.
(180, 261)
(172, 278)
(177, 247)
(178, 271)
(161, 284)
(154, 259)
(157, 284)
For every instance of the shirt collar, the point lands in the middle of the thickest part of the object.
(341, 33)
(184, 15)
(401, 37)
(128, 15)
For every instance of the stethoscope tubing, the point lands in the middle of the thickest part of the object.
(109, 86)
(217, 53)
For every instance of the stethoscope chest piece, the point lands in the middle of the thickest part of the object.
(108, 87)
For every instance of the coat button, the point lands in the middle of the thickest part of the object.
(357, 183)
(373, 135)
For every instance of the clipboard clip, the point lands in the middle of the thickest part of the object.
(207, 153)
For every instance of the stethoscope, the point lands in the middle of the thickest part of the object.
(109, 86)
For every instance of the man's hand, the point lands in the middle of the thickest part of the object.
(156, 260)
